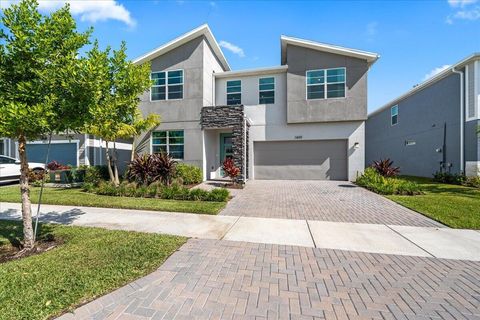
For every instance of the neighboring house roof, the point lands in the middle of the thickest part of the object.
(252, 72)
(203, 30)
(284, 40)
(462, 63)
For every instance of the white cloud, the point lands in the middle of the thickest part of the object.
(233, 48)
(436, 71)
(472, 14)
(87, 10)
(371, 30)
(464, 10)
(460, 3)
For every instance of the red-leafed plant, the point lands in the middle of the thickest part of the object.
(148, 168)
(385, 168)
(230, 169)
(55, 165)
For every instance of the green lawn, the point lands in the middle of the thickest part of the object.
(453, 205)
(78, 197)
(90, 263)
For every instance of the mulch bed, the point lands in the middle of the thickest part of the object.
(15, 251)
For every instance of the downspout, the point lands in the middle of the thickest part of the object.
(462, 121)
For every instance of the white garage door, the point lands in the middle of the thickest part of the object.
(301, 160)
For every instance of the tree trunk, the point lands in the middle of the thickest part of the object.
(115, 164)
(132, 156)
(109, 162)
(28, 241)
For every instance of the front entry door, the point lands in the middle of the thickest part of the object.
(226, 149)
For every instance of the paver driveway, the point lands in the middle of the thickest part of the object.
(211, 279)
(338, 201)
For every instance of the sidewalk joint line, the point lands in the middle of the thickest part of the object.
(228, 230)
(401, 235)
(311, 235)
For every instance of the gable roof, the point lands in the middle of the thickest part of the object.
(369, 56)
(203, 30)
(461, 64)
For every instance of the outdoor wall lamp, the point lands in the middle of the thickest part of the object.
(356, 145)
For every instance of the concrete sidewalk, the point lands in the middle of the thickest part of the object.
(373, 238)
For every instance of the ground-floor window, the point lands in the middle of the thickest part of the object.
(171, 142)
(3, 147)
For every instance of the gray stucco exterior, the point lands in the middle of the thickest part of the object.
(425, 116)
(300, 110)
(204, 118)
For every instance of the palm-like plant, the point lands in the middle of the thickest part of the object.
(385, 168)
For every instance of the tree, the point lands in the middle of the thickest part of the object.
(44, 87)
(115, 113)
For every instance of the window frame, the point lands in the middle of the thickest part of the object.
(260, 90)
(226, 92)
(392, 115)
(166, 85)
(325, 83)
(167, 140)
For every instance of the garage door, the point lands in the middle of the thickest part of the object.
(64, 153)
(302, 160)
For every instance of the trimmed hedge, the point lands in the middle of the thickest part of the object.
(158, 190)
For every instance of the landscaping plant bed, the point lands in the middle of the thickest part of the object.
(78, 197)
(15, 250)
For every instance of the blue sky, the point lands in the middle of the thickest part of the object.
(414, 38)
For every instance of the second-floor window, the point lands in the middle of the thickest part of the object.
(167, 85)
(394, 115)
(234, 92)
(266, 90)
(171, 142)
(326, 83)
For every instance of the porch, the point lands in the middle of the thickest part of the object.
(225, 135)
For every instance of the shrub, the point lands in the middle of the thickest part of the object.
(142, 169)
(148, 168)
(188, 174)
(220, 195)
(230, 169)
(472, 182)
(96, 174)
(450, 178)
(36, 177)
(55, 165)
(374, 181)
(384, 167)
(165, 166)
(157, 190)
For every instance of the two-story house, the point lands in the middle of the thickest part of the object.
(434, 126)
(303, 119)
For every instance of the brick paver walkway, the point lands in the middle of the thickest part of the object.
(210, 279)
(337, 201)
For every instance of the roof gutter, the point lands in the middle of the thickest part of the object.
(462, 121)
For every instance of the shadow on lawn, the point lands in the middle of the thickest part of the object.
(12, 232)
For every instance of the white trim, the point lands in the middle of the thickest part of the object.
(284, 40)
(177, 42)
(167, 84)
(467, 93)
(227, 93)
(260, 91)
(98, 143)
(476, 88)
(167, 142)
(252, 72)
(86, 150)
(325, 84)
(391, 115)
(426, 83)
(77, 142)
